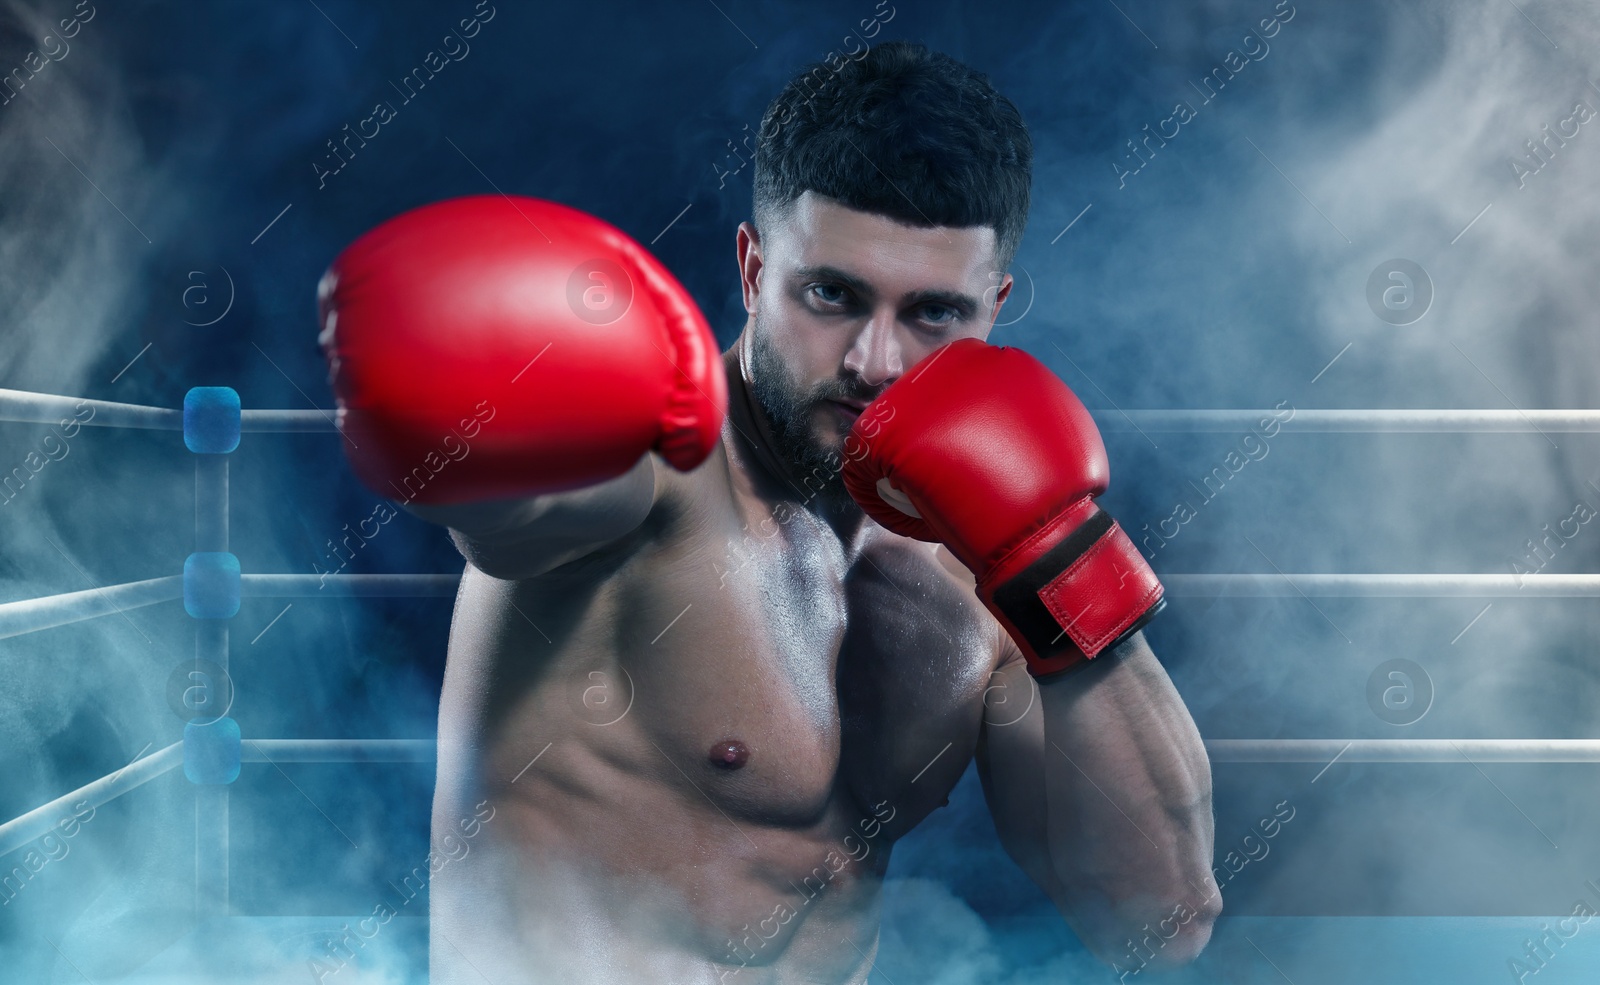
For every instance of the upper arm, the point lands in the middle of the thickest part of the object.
(1102, 793)
(522, 538)
(1010, 760)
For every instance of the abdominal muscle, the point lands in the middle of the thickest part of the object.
(642, 888)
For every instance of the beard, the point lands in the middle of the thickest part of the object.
(813, 450)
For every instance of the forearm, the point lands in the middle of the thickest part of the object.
(1129, 827)
(518, 538)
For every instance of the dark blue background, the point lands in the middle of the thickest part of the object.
(1210, 280)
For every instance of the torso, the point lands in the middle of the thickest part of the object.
(843, 675)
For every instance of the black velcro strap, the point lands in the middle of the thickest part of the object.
(1019, 597)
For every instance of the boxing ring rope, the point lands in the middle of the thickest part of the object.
(288, 420)
(369, 586)
(19, 831)
(339, 750)
(1368, 421)
(211, 636)
(21, 406)
(1404, 750)
(40, 408)
(45, 408)
(30, 615)
(1320, 585)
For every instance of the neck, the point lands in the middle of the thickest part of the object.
(777, 479)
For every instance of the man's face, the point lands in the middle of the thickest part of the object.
(842, 303)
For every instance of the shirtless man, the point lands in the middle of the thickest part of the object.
(694, 693)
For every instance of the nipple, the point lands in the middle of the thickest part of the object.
(729, 754)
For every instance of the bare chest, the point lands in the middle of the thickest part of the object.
(794, 677)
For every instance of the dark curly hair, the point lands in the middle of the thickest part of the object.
(903, 132)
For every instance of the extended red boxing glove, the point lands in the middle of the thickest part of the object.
(988, 453)
(498, 346)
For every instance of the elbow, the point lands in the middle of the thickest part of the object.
(1190, 929)
(1155, 936)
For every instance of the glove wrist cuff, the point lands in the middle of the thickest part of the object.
(1074, 589)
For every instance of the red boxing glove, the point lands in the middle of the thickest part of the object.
(491, 347)
(990, 454)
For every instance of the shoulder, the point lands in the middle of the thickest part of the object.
(938, 587)
(1007, 657)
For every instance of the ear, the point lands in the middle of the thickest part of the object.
(747, 245)
(1000, 295)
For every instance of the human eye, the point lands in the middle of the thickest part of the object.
(831, 295)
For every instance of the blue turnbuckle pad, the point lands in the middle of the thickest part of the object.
(211, 420)
(211, 585)
(211, 751)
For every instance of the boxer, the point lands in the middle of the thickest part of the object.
(731, 625)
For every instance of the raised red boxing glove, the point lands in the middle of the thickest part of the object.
(981, 448)
(496, 346)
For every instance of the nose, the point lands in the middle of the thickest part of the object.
(876, 355)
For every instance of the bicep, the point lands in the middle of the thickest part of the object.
(522, 538)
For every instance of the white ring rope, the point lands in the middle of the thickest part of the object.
(43, 408)
(37, 822)
(1381, 585)
(1370, 420)
(1462, 751)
